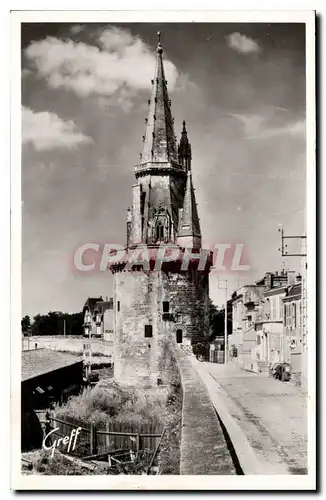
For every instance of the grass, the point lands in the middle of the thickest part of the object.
(111, 402)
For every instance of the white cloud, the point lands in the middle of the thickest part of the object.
(46, 131)
(119, 62)
(77, 28)
(251, 123)
(242, 43)
(296, 129)
(261, 126)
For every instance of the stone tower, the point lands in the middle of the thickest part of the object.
(154, 304)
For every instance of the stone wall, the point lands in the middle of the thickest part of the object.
(203, 446)
(139, 300)
(73, 344)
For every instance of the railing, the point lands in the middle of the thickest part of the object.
(149, 165)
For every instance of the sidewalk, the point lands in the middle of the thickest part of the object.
(265, 418)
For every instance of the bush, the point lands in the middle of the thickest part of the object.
(93, 376)
(103, 404)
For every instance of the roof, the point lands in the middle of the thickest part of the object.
(293, 291)
(103, 306)
(91, 303)
(184, 148)
(189, 221)
(37, 362)
(275, 291)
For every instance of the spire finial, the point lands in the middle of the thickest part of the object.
(184, 126)
(159, 49)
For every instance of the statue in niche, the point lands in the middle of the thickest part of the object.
(160, 226)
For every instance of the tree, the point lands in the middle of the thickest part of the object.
(57, 322)
(26, 324)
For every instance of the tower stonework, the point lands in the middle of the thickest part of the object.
(156, 305)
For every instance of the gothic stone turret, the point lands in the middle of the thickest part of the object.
(157, 307)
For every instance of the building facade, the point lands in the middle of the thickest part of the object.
(294, 332)
(271, 347)
(156, 305)
(267, 324)
(245, 308)
(257, 335)
(98, 318)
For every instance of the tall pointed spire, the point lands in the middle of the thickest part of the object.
(159, 139)
(189, 233)
(184, 148)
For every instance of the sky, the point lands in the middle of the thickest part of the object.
(241, 90)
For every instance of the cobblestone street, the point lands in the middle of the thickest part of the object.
(263, 416)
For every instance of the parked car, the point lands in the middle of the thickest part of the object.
(201, 350)
(282, 371)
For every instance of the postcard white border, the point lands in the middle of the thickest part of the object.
(33, 482)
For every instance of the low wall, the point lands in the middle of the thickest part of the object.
(203, 447)
(74, 344)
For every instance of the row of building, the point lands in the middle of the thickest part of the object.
(268, 324)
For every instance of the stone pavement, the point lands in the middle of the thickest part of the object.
(266, 419)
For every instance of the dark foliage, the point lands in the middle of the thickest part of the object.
(26, 324)
(57, 323)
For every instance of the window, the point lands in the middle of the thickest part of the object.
(179, 337)
(281, 307)
(118, 305)
(300, 319)
(288, 315)
(166, 306)
(294, 313)
(148, 331)
(273, 308)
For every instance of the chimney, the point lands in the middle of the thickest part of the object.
(291, 278)
(268, 280)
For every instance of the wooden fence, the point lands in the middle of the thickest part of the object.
(117, 435)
